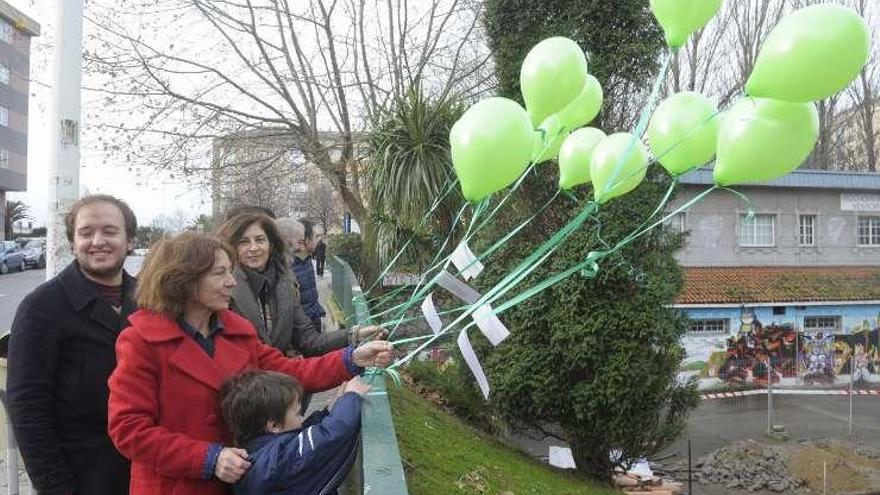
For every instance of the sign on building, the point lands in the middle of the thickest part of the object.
(859, 202)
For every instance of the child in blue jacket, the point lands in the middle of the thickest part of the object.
(290, 455)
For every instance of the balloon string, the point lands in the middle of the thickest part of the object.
(488, 251)
(449, 188)
(478, 210)
(588, 268)
(647, 110)
(523, 270)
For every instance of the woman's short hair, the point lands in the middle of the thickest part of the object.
(173, 268)
(233, 229)
(251, 399)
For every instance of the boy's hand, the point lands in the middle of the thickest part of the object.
(376, 353)
(336, 395)
(231, 464)
(357, 386)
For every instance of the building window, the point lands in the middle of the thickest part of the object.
(824, 324)
(6, 31)
(869, 231)
(778, 310)
(677, 223)
(757, 231)
(4, 116)
(715, 325)
(807, 230)
(4, 158)
(4, 74)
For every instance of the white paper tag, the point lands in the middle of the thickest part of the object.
(458, 288)
(490, 325)
(463, 259)
(467, 352)
(641, 468)
(561, 457)
(430, 313)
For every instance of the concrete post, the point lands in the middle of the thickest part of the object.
(64, 128)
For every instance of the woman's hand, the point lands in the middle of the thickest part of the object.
(376, 353)
(231, 464)
(372, 332)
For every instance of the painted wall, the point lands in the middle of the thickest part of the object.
(743, 354)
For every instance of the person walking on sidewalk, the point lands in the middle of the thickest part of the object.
(320, 255)
(62, 351)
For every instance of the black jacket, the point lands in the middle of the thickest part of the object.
(61, 353)
(308, 287)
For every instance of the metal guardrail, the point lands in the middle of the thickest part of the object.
(11, 450)
(381, 466)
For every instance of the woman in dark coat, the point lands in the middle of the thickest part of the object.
(267, 294)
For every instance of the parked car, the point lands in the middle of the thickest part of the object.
(35, 253)
(11, 257)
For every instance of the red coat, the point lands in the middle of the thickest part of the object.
(164, 409)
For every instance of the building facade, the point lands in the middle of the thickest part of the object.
(16, 31)
(265, 168)
(792, 279)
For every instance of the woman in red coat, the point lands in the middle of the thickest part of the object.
(182, 344)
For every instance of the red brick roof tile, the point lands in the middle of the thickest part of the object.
(720, 285)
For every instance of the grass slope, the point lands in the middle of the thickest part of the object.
(443, 455)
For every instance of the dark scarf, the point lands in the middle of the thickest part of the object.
(263, 286)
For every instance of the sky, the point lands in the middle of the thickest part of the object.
(164, 196)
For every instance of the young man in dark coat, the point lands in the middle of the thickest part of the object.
(61, 354)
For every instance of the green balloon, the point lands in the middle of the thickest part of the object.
(552, 75)
(683, 131)
(548, 139)
(624, 154)
(761, 139)
(491, 146)
(811, 54)
(585, 106)
(575, 155)
(681, 18)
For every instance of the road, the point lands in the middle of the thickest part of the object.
(721, 422)
(14, 286)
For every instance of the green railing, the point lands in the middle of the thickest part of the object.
(381, 468)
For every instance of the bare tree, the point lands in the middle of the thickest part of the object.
(864, 97)
(323, 205)
(718, 60)
(174, 74)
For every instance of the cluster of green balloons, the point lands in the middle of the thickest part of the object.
(810, 55)
(496, 139)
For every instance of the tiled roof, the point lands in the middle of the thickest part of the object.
(802, 178)
(739, 285)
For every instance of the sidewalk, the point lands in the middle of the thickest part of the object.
(325, 290)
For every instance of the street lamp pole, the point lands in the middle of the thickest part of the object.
(64, 130)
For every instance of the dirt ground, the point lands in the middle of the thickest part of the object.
(823, 467)
(835, 469)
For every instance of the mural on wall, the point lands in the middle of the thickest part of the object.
(781, 354)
